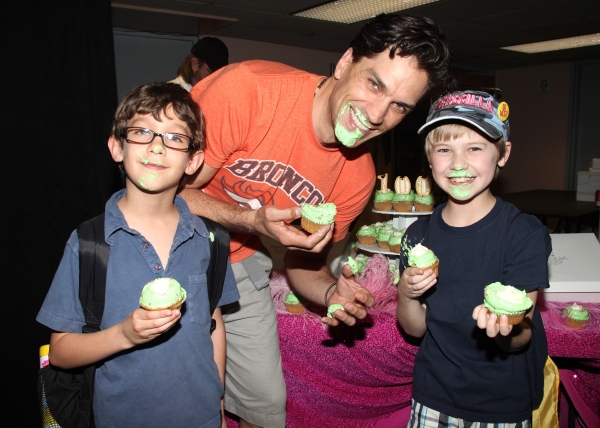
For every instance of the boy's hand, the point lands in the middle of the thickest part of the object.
(486, 320)
(141, 325)
(275, 223)
(352, 296)
(415, 281)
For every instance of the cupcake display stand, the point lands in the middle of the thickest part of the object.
(400, 221)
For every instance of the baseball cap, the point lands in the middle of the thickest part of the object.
(213, 51)
(479, 109)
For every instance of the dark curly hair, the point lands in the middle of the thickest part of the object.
(154, 99)
(409, 36)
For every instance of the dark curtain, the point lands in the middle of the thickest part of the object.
(59, 95)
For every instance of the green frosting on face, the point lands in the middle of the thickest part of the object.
(424, 199)
(349, 138)
(462, 191)
(505, 299)
(576, 312)
(332, 308)
(421, 256)
(145, 181)
(161, 293)
(321, 214)
(291, 299)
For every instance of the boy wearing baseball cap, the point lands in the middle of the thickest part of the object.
(466, 371)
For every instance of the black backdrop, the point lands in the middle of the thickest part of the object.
(59, 93)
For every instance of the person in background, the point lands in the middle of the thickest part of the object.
(484, 373)
(162, 367)
(279, 137)
(208, 55)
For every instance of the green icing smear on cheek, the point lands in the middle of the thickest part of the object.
(348, 138)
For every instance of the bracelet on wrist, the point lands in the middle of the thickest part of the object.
(327, 292)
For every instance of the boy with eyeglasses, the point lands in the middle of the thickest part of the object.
(156, 368)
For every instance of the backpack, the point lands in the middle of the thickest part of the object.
(66, 396)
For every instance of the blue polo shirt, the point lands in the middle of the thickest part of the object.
(171, 381)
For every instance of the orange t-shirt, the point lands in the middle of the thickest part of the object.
(260, 137)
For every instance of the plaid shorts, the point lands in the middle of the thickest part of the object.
(424, 417)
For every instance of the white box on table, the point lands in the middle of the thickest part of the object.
(574, 268)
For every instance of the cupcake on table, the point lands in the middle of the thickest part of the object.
(423, 199)
(383, 197)
(404, 196)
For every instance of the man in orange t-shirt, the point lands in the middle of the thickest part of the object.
(278, 137)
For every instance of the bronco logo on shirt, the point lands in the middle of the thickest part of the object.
(273, 173)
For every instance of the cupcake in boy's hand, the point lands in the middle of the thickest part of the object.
(332, 308)
(422, 257)
(316, 216)
(575, 316)
(506, 300)
(162, 293)
(293, 304)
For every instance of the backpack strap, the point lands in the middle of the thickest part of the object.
(93, 263)
(215, 274)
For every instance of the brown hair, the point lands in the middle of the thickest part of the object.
(409, 36)
(154, 99)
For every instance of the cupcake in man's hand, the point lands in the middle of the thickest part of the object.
(506, 300)
(422, 257)
(162, 293)
(316, 216)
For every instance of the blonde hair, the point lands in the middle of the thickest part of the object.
(453, 131)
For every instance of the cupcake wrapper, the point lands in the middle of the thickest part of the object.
(422, 207)
(366, 240)
(383, 206)
(294, 309)
(310, 226)
(570, 322)
(395, 248)
(403, 207)
(513, 319)
(383, 245)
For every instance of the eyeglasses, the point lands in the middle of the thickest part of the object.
(146, 136)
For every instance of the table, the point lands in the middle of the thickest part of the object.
(561, 204)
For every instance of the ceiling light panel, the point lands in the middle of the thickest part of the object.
(349, 11)
(556, 45)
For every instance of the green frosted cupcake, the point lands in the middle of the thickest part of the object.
(293, 304)
(316, 216)
(506, 300)
(422, 257)
(162, 293)
(395, 241)
(403, 202)
(367, 235)
(382, 237)
(383, 200)
(575, 316)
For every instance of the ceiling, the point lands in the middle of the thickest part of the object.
(476, 29)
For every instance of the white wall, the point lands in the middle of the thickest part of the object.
(145, 57)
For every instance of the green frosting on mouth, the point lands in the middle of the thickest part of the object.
(462, 191)
(505, 299)
(150, 177)
(349, 138)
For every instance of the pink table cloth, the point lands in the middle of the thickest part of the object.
(361, 376)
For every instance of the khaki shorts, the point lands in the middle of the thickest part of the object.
(254, 385)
